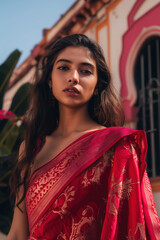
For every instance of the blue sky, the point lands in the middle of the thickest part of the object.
(22, 23)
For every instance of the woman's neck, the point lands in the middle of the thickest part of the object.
(73, 120)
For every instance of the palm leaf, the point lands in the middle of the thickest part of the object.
(4, 151)
(6, 70)
(20, 100)
(6, 131)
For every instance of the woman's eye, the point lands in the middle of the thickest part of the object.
(85, 71)
(64, 68)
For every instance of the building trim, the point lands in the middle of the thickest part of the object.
(146, 26)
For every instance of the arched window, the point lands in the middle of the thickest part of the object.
(147, 79)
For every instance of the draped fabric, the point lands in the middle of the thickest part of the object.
(95, 189)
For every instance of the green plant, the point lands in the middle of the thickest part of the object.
(11, 132)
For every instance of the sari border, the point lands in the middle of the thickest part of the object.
(33, 178)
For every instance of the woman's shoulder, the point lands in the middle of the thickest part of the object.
(133, 146)
(125, 133)
(121, 134)
(133, 136)
(125, 140)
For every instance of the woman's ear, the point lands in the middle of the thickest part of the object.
(50, 84)
(95, 91)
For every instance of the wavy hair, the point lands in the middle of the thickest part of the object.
(42, 116)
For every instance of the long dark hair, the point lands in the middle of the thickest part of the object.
(42, 116)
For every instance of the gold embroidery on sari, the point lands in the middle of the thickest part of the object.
(86, 218)
(94, 174)
(68, 195)
(109, 156)
(139, 228)
(132, 151)
(76, 230)
(120, 190)
(43, 184)
(62, 236)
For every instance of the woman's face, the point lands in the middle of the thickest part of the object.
(74, 76)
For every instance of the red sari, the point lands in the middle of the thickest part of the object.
(95, 189)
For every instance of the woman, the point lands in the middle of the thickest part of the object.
(79, 176)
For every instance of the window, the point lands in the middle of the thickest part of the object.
(147, 79)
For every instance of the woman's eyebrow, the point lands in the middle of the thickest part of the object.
(87, 64)
(83, 63)
(63, 60)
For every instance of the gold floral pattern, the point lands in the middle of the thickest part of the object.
(68, 196)
(109, 156)
(77, 233)
(45, 182)
(94, 174)
(86, 215)
(120, 190)
(42, 185)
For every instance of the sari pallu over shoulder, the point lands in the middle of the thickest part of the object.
(78, 156)
(130, 209)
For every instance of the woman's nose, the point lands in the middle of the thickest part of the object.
(74, 77)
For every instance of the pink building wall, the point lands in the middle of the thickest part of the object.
(138, 31)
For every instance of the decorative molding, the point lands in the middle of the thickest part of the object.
(141, 38)
(133, 12)
(146, 26)
(108, 10)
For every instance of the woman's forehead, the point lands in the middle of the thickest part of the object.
(76, 54)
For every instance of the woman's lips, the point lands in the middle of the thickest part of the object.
(72, 91)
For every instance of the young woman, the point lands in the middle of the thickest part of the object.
(79, 176)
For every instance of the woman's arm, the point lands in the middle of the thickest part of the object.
(19, 228)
